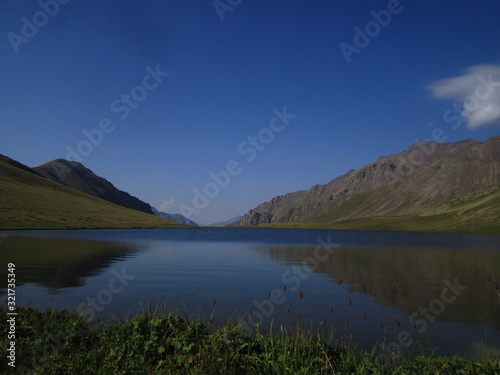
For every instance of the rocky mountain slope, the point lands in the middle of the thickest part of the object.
(76, 176)
(426, 178)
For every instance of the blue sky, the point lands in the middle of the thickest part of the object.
(220, 76)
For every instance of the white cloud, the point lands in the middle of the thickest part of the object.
(478, 91)
(167, 204)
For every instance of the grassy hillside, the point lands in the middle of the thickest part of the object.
(476, 212)
(28, 201)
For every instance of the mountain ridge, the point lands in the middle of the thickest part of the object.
(31, 201)
(425, 175)
(75, 175)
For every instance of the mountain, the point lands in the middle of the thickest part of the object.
(429, 186)
(76, 176)
(18, 165)
(175, 217)
(227, 222)
(30, 201)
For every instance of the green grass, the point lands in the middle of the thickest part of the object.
(61, 342)
(412, 223)
(28, 201)
(477, 212)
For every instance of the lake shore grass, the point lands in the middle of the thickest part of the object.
(154, 342)
(402, 223)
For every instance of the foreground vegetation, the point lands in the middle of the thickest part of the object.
(61, 342)
(28, 201)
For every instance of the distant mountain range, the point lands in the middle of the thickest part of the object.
(225, 223)
(175, 217)
(429, 186)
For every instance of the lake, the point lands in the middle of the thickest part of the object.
(403, 289)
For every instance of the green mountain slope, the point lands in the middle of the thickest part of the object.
(29, 201)
(76, 176)
(477, 212)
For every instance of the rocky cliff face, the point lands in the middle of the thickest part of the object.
(76, 176)
(423, 176)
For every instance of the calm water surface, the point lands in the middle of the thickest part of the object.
(370, 287)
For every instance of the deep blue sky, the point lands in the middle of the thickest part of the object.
(226, 77)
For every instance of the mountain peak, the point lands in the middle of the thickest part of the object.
(75, 175)
(30, 201)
